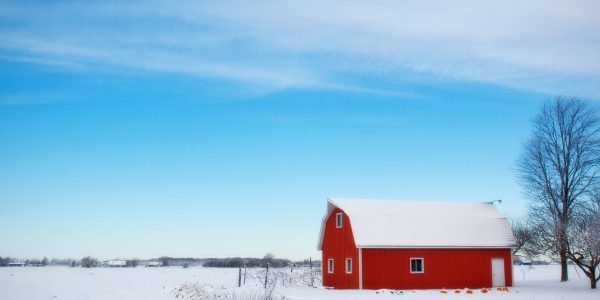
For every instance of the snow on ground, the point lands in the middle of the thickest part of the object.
(63, 283)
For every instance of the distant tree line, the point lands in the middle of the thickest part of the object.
(239, 262)
(308, 263)
(179, 261)
(30, 262)
(62, 262)
(37, 262)
(234, 262)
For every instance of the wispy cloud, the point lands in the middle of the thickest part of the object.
(548, 46)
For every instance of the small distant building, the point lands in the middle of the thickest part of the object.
(154, 264)
(16, 264)
(117, 263)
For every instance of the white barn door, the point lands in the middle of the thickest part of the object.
(498, 272)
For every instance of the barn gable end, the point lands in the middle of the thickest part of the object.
(339, 246)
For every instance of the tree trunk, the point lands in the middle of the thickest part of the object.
(563, 238)
(564, 271)
(593, 277)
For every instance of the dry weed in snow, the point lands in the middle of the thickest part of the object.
(196, 291)
(287, 277)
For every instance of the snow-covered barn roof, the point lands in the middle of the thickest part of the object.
(422, 224)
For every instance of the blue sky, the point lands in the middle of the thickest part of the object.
(213, 129)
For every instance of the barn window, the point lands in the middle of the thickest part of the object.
(330, 265)
(348, 265)
(417, 265)
(338, 220)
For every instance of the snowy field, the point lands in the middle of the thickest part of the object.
(31, 283)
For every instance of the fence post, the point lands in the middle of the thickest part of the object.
(240, 277)
(266, 275)
(312, 276)
(245, 271)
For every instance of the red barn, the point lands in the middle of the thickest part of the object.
(375, 244)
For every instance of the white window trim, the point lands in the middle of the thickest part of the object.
(330, 266)
(360, 269)
(348, 259)
(422, 265)
(339, 217)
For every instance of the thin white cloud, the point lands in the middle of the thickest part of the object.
(548, 46)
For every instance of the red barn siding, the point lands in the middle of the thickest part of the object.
(444, 268)
(338, 243)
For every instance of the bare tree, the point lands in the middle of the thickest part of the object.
(164, 261)
(88, 262)
(132, 262)
(525, 237)
(583, 247)
(4, 261)
(269, 256)
(559, 165)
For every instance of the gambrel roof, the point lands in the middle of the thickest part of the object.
(422, 224)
